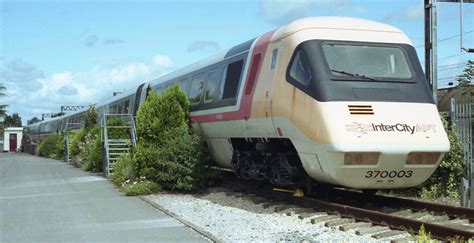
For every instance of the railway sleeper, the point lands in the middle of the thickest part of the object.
(372, 230)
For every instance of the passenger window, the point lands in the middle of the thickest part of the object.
(299, 70)
(195, 91)
(184, 85)
(212, 80)
(126, 106)
(119, 108)
(232, 79)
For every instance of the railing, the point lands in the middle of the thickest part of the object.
(462, 121)
(129, 119)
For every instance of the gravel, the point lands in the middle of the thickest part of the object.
(231, 217)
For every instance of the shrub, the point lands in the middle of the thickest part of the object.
(91, 118)
(77, 142)
(168, 152)
(52, 147)
(445, 181)
(123, 170)
(161, 114)
(117, 133)
(181, 164)
(141, 188)
(93, 155)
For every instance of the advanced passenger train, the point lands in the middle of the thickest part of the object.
(337, 100)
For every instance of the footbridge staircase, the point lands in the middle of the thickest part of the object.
(119, 136)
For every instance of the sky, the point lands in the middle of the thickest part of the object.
(78, 52)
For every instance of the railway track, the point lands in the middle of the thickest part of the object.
(386, 216)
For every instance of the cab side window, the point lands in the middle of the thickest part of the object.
(299, 70)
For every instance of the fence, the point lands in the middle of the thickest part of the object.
(462, 109)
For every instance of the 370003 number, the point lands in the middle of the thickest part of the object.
(388, 174)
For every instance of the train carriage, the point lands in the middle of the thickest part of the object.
(330, 99)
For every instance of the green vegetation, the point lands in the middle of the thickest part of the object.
(114, 131)
(3, 107)
(423, 236)
(465, 79)
(123, 170)
(169, 154)
(52, 147)
(93, 150)
(77, 142)
(141, 188)
(91, 119)
(13, 120)
(446, 180)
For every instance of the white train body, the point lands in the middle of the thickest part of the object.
(341, 100)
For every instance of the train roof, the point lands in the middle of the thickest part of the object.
(240, 48)
(336, 23)
(340, 23)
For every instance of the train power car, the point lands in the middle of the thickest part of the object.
(336, 100)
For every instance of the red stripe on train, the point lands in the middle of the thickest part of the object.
(249, 89)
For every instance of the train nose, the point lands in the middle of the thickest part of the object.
(367, 170)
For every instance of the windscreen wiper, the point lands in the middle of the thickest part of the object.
(354, 74)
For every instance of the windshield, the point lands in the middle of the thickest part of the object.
(369, 62)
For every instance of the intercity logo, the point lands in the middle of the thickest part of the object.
(399, 127)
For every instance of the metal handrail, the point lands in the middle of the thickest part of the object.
(130, 125)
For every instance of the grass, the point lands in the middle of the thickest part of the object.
(141, 188)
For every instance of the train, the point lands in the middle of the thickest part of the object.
(333, 100)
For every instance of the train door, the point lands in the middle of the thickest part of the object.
(13, 142)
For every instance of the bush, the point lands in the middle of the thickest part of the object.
(52, 147)
(77, 142)
(117, 133)
(168, 152)
(181, 164)
(91, 118)
(93, 155)
(123, 170)
(446, 180)
(161, 114)
(141, 188)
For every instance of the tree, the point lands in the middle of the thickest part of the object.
(33, 120)
(12, 121)
(3, 108)
(465, 79)
(91, 118)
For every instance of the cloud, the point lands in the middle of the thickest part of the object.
(283, 11)
(113, 41)
(18, 74)
(77, 88)
(205, 46)
(91, 40)
(162, 61)
(67, 90)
